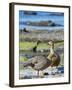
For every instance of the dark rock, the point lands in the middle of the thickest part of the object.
(62, 71)
(27, 77)
(56, 14)
(46, 73)
(30, 13)
(42, 23)
(25, 30)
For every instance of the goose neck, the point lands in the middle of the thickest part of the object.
(52, 49)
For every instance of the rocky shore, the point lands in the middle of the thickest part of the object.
(43, 35)
(41, 23)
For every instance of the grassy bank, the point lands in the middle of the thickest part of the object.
(28, 45)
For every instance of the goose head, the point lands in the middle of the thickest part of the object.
(35, 47)
(38, 42)
(51, 43)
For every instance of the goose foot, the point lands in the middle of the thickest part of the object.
(53, 73)
(38, 73)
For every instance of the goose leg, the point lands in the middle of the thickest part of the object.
(57, 72)
(38, 73)
(52, 71)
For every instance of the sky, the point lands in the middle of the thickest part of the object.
(36, 16)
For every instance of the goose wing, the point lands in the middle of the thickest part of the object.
(41, 62)
(55, 60)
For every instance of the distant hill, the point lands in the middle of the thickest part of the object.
(40, 23)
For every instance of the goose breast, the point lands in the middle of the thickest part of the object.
(55, 59)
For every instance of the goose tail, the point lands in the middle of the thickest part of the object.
(26, 63)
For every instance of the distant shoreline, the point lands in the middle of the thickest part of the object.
(43, 29)
(44, 35)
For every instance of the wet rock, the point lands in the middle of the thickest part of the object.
(27, 77)
(46, 73)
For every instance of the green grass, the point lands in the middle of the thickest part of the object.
(23, 58)
(43, 46)
(28, 45)
(59, 44)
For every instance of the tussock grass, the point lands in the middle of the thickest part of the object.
(28, 45)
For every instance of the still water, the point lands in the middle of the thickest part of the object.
(41, 16)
